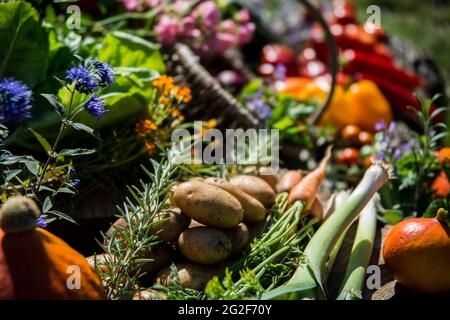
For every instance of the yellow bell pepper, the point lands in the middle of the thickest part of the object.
(362, 104)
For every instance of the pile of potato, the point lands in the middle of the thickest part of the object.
(211, 221)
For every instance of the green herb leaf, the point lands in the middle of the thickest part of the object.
(85, 128)
(53, 100)
(44, 143)
(75, 152)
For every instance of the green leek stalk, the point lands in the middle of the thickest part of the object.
(339, 200)
(355, 274)
(306, 283)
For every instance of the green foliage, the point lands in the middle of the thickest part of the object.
(24, 43)
(138, 62)
(416, 169)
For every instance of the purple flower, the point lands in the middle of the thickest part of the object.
(167, 30)
(96, 107)
(392, 127)
(84, 81)
(41, 221)
(102, 71)
(380, 125)
(280, 72)
(257, 105)
(15, 101)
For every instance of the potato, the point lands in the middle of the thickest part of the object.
(208, 204)
(255, 187)
(195, 224)
(269, 176)
(161, 255)
(239, 237)
(172, 223)
(256, 229)
(197, 179)
(191, 275)
(99, 261)
(148, 294)
(117, 225)
(204, 245)
(254, 211)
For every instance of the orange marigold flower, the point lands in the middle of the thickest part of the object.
(150, 146)
(163, 82)
(443, 155)
(175, 112)
(212, 123)
(164, 100)
(184, 94)
(144, 127)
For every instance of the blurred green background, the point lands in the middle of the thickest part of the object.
(426, 23)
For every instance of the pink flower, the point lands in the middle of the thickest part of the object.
(187, 25)
(208, 12)
(181, 6)
(246, 33)
(132, 5)
(153, 3)
(243, 16)
(228, 26)
(167, 30)
(221, 42)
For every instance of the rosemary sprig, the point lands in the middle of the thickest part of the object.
(124, 247)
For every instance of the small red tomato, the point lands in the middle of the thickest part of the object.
(365, 137)
(348, 156)
(277, 53)
(350, 134)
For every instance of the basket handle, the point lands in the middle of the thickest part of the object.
(332, 63)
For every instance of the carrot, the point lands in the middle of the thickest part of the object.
(308, 187)
(289, 180)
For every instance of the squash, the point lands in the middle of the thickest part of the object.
(35, 264)
(417, 253)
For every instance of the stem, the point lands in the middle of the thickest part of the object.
(57, 141)
(361, 253)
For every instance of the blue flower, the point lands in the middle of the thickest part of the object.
(96, 107)
(73, 184)
(41, 221)
(84, 81)
(103, 72)
(15, 101)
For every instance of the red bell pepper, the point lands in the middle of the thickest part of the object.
(355, 62)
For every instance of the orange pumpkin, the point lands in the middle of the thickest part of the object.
(35, 264)
(417, 253)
